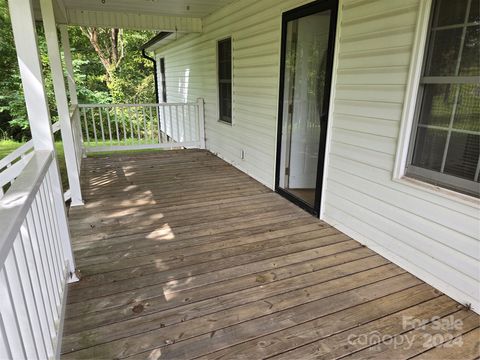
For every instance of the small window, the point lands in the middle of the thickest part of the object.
(164, 81)
(445, 144)
(225, 80)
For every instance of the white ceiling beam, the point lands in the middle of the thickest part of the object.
(133, 21)
(60, 12)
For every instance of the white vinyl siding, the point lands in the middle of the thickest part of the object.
(436, 237)
(433, 236)
(255, 28)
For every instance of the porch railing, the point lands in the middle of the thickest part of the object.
(33, 265)
(110, 127)
(12, 165)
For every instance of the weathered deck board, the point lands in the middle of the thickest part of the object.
(183, 256)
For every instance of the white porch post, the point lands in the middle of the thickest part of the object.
(62, 101)
(72, 87)
(23, 25)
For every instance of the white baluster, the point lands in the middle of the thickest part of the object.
(101, 124)
(86, 125)
(20, 305)
(92, 109)
(109, 126)
(10, 320)
(33, 269)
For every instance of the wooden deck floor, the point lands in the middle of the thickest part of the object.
(182, 256)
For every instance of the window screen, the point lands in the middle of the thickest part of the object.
(445, 145)
(164, 80)
(225, 79)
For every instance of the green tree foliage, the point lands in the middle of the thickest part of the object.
(130, 80)
(12, 107)
(128, 76)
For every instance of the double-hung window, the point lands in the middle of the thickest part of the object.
(224, 50)
(445, 144)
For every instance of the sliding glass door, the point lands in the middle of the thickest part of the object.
(307, 46)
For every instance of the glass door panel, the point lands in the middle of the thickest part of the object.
(303, 114)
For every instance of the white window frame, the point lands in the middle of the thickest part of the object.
(220, 121)
(410, 108)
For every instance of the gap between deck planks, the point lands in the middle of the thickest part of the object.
(183, 256)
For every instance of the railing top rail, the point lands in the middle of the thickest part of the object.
(55, 127)
(19, 197)
(135, 105)
(72, 109)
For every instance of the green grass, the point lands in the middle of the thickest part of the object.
(123, 152)
(142, 141)
(7, 146)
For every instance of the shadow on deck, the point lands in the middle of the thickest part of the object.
(183, 256)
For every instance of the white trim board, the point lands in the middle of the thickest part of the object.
(419, 272)
(410, 100)
(331, 108)
(134, 21)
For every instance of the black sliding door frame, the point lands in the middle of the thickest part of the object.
(305, 10)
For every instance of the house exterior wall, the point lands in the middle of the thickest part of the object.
(255, 28)
(429, 233)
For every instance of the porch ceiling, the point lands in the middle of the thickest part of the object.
(159, 15)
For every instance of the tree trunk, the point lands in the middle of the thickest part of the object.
(108, 45)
